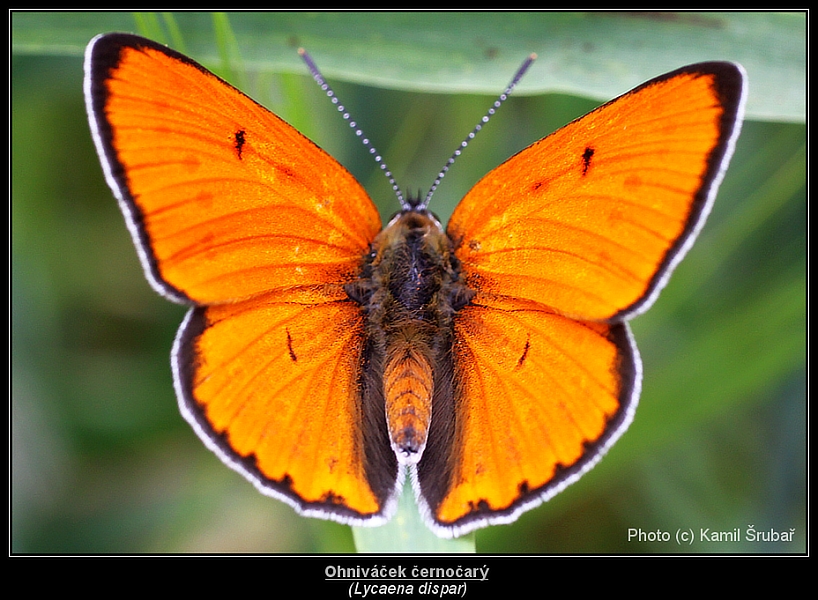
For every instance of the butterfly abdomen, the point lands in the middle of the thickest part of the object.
(408, 384)
(409, 289)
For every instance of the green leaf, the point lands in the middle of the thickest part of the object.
(598, 54)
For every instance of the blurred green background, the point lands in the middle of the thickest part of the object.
(102, 462)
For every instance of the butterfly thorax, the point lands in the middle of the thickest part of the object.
(409, 289)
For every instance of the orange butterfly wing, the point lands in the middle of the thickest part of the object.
(562, 243)
(543, 397)
(590, 220)
(234, 211)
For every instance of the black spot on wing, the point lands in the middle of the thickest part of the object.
(523, 356)
(239, 141)
(586, 159)
(293, 357)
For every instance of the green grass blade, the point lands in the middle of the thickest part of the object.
(406, 533)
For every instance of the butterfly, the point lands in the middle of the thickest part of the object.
(323, 356)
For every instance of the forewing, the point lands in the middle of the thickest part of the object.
(223, 198)
(590, 220)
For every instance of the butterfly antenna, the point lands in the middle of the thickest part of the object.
(316, 74)
(515, 80)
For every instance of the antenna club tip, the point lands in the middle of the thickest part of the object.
(532, 56)
(301, 52)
